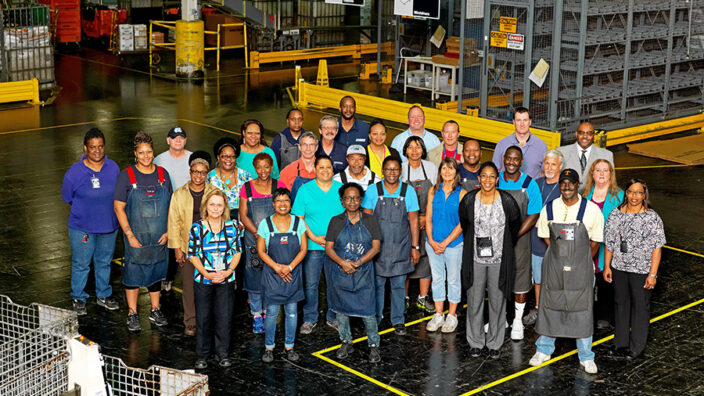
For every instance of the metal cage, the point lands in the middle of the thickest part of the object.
(155, 380)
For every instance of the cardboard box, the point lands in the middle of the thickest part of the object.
(126, 43)
(158, 37)
(140, 43)
(140, 31)
(229, 36)
(453, 44)
(470, 58)
(125, 30)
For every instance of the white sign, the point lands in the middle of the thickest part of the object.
(515, 41)
(358, 3)
(428, 9)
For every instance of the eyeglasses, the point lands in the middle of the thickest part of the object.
(199, 173)
(588, 133)
(392, 170)
(352, 199)
(638, 193)
(228, 157)
(492, 177)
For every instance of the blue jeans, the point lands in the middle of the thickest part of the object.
(290, 322)
(536, 262)
(446, 268)
(546, 345)
(343, 323)
(398, 300)
(86, 247)
(312, 268)
(255, 303)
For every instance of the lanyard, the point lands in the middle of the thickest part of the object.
(542, 189)
(444, 153)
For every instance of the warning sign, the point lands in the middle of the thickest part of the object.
(498, 39)
(508, 24)
(514, 41)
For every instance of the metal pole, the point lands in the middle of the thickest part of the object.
(668, 65)
(555, 66)
(397, 51)
(528, 52)
(460, 70)
(451, 15)
(627, 61)
(378, 36)
(484, 87)
(3, 51)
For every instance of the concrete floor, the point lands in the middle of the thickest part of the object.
(37, 146)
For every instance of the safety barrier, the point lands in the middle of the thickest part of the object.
(20, 91)
(475, 127)
(355, 51)
(642, 132)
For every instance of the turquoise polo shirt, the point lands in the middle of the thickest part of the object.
(317, 207)
(371, 196)
(535, 198)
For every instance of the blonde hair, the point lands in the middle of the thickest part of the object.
(204, 205)
(589, 184)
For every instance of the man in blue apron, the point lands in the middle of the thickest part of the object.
(285, 144)
(395, 206)
(258, 209)
(527, 195)
(572, 227)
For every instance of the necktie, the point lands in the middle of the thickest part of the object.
(583, 160)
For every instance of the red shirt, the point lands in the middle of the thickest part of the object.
(454, 154)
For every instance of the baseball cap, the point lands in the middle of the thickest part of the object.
(176, 131)
(356, 149)
(569, 174)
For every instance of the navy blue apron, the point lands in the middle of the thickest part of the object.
(147, 210)
(352, 294)
(282, 248)
(298, 182)
(258, 209)
(391, 213)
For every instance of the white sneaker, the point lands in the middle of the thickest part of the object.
(538, 359)
(436, 322)
(589, 366)
(450, 324)
(517, 330)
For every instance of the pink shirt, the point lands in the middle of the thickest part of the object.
(256, 194)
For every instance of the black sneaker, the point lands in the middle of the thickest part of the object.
(400, 329)
(374, 355)
(268, 356)
(79, 307)
(224, 362)
(108, 303)
(158, 318)
(494, 353)
(292, 355)
(344, 350)
(475, 352)
(133, 323)
(201, 364)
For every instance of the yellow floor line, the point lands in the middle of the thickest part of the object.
(651, 166)
(68, 125)
(684, 251)
(361, 375)
(570, 353)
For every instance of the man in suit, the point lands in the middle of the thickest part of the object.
(583, 153)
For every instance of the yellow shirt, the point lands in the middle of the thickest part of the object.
(374, 161)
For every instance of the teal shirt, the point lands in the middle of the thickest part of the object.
(246, 162)
(610, 203)
(263, 230)
(317, 208)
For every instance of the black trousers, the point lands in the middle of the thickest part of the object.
(214, 305)
(604, 304)
(173, 266)
(632, 310)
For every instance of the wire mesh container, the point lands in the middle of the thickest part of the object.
(155, 380)
(33, 348)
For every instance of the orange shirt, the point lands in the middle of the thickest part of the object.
(289, 173)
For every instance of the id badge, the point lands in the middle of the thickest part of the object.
(484, 247)
(218, 261)
(568, 233)
(624, 246)
(95, 182)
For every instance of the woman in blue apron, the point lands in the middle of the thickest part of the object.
(142, 197)
(282, 245)
(353, 239)
(255, 206)
(395, 206)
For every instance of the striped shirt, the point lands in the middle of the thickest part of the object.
(215, 251)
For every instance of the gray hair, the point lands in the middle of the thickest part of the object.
(308, 134)
(201, 161)
(556, 154)
(328, 117)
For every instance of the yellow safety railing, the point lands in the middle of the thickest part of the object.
(356, 51)
(217, 33)
(20, 91)
(475, 127)
(641, 132)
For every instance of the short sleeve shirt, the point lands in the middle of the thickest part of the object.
(233, 194)
(263, 230)
(371, 197)
(297, 168)
(246, 162)
(431, 172)
(257, 194)
(91, 195)
(317, 207)
(178, 167)
(215, 251)
(123, 187)
(643, 233)
(535, 199)
(338, 223)
(358, 134)
(593, 219)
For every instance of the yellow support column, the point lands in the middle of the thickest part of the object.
(323, 73)
(190, 49)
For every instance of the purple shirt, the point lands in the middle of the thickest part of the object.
(91, 194)
(533, 153)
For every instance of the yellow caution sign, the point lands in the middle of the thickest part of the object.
(498, 39)
(508, 24)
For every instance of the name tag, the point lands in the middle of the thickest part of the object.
(567, 268)
(284, 240)
(95, 182)
(568, 233)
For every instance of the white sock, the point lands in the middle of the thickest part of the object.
(520, 307)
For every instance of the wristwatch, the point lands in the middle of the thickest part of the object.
(654, 276)
(416, 247)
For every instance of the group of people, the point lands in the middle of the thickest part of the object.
(364, 214)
